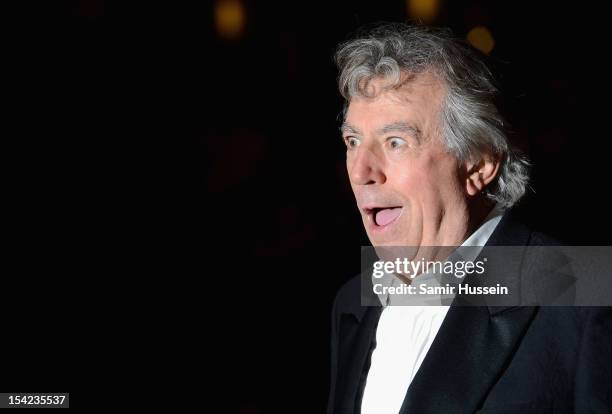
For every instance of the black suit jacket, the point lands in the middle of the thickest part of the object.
(501, 359)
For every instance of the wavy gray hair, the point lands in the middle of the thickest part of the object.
(470, 120)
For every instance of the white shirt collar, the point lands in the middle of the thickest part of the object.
(482, 233)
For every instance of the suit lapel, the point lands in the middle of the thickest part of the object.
(465, 360)
(357, 335)
(472, 346)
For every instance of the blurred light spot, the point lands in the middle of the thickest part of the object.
(229, 18)
(425, 10)
(91, 8)
(481, 38)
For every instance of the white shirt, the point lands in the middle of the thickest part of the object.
(403, 336)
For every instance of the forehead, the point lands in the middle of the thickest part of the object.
(417, 99)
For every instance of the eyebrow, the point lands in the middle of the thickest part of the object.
(346, 127)
(400, 126)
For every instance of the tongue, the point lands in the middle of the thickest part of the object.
(387, 215)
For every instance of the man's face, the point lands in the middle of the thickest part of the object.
(407, 185)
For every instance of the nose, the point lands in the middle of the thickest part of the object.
(365, 168)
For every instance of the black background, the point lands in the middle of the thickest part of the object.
(273, 154)
(100, 89)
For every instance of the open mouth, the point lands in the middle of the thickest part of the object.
(383, 216)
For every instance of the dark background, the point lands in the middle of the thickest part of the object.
(273, 155)
(111, 87)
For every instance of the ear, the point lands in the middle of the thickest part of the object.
(479, 174)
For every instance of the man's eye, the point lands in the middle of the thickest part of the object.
(351, 142)
(395, 142)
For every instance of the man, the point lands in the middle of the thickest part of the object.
(430, 165)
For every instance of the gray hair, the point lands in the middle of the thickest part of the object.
(470, 120)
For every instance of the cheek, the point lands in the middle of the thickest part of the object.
(405, 180)
(415, 175)
(444, 178)
(429, 179)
